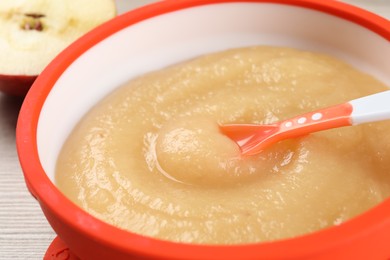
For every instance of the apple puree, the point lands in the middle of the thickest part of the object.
(149, 158)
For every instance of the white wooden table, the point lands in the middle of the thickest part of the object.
(24, 231)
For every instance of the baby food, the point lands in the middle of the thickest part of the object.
(150, 158)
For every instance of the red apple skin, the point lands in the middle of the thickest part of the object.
(16, 85)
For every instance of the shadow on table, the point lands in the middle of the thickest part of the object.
(9, 111)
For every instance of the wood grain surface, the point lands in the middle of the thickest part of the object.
(24, 231)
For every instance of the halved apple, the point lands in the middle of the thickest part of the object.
(33, 32)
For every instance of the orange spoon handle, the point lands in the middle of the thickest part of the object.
(327, 118)
(323, 119)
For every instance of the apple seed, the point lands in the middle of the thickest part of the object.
(34, 15)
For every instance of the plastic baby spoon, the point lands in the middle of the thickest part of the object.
(253, 138)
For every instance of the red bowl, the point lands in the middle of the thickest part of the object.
(165, 33)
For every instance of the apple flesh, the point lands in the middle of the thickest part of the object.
(33, 32)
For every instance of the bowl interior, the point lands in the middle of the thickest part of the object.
(171, 37)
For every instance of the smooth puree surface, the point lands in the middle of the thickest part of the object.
(149, 158)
